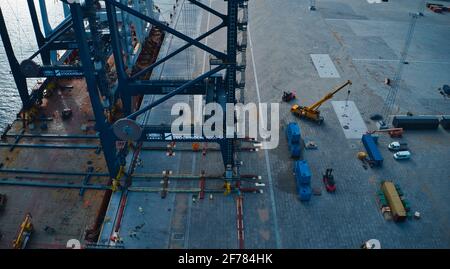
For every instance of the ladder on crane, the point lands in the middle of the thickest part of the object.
(392, 94)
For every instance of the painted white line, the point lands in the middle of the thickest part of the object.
(337, 19)
(381, 22)
(266, 154)
(374, 60)
(392, 60)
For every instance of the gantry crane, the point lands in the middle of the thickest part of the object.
(312, 112)
(113, 30)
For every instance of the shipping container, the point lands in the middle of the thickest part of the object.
(294, 138)
(293, 132)
(303, 180)
(393, 198)
(416, 122)
(372, 150)
(445, 122)
(302, 172)
(295, 150)
(304, 193)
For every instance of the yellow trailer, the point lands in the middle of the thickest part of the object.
(395, 203)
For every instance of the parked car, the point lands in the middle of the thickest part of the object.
(402, 155)
(398, 146)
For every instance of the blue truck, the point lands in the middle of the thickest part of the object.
(303, 180)
(294, 139)
(372, 149)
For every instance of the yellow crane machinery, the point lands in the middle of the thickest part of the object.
(312, 112)
(24, 233)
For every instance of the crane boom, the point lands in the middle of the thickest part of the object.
(312, 112)
(316, 105)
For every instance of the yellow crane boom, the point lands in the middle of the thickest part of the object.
(312, 112)
(330, 95)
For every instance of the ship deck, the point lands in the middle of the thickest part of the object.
(58, 213)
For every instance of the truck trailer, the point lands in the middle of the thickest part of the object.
(416, 122)
(372, 150)
(393, 198)
(445, 122)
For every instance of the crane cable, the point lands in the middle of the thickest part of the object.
(20, 39)
(19, 24)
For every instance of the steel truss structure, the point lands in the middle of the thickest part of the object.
(97, 29)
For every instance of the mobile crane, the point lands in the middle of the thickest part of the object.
(312, 112)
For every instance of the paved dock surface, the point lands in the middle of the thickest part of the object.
(363, 42)
(350, 30)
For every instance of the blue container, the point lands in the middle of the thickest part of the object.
(375, 138)
(304, 193)
(294, 150)
(302, 173)
(294, 139)
(372, 150)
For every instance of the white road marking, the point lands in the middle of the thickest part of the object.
(384, 21)
(350, 119)
(324, 66)
(266, 154)
(392, 60)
